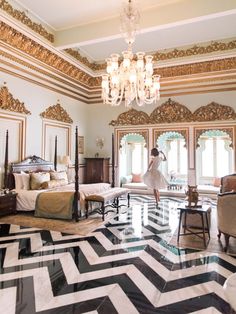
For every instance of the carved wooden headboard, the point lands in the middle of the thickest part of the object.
(30, 164)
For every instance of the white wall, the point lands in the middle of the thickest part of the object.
(36, 100)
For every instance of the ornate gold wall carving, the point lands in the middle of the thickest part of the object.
(56, 112)
(131, 117)
(195, 50)
(23, 18)
(173, 112)
(30, 47)
(199, 132)
(169, 112)
(214, 111)
(7, 102)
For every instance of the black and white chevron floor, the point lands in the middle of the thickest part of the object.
(124, 267)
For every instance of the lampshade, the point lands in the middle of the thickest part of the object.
(66, 160)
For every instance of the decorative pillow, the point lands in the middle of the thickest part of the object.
(59, 176)
(217, 182)
(37, 178)
(25, 180)
(18, 181)
(136, 178)
(53, 184)
(126, 179)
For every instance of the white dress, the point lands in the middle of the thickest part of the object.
(153, 178)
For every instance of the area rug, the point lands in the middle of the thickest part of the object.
(214, 245)
(83, 227)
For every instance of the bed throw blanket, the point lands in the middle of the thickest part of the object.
(58, 205)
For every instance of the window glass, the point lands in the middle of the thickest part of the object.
(207, 159)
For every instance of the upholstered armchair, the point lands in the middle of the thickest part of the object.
(226, 209)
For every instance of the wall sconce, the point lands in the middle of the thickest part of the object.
(100, 142)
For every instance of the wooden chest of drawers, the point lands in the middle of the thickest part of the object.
(7, 204)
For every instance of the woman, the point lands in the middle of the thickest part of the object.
(153, 178)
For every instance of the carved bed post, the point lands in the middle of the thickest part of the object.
(55, 154)
(5, 183)
(113, 162)
(76, 197)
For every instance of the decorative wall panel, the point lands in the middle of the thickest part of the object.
(56, 112)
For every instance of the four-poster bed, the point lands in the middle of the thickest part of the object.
(26, 198)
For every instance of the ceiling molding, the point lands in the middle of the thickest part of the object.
(24, 19)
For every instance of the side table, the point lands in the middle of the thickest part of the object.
(203, 212)
(8, 204)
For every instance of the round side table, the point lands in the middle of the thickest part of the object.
(230, 290)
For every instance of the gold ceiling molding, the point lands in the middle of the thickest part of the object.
(196, 68)
(169, 112)
(17, 40)
(195, 50)
(9, 103)
(214, 111)
(23, 18)
(92, 65)
(56, 112)
(173, 112)
(183, 132)
(131, 117)
(161, 56)
(199, 132)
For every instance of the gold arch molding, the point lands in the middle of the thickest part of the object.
(227, 130)
(158, 133)
(174, 112)
(56, 112)
(121, 134)
(9, 103)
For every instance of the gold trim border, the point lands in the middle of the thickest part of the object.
(24, 19)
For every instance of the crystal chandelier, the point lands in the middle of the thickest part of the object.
(132, 79)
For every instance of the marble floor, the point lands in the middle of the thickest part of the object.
(126, 266)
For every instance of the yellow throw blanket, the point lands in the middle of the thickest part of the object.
(57, 205)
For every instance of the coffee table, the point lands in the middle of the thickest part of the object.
(203, 212)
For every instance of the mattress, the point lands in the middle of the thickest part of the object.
(26, 199)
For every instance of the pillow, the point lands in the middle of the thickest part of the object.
(25, 180)
(59, 176)
(53, 184)
(18, 181)
(136, 178)
(126, 179)
(217, 182)
(37, 178)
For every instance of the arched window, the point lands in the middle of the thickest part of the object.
(173, 144)
(214, 156)
(133, 155)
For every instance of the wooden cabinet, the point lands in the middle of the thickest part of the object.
(7, 204)
(96, 170)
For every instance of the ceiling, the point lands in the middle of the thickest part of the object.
(92, 27)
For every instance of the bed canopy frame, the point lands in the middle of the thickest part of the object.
(36, 164)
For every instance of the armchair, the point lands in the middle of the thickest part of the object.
(226, 215)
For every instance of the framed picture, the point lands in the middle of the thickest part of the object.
(80, 144)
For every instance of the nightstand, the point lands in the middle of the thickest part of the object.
(8, 204)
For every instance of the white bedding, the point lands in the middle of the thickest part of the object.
(26, 198)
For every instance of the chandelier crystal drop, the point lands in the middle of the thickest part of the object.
(132, 78)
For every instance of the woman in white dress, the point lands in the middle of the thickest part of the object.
(153, 178)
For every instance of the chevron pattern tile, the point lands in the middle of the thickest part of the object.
(127, 266)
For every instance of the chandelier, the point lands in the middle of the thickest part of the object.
(131, 79)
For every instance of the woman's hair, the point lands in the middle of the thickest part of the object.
(154, 152)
